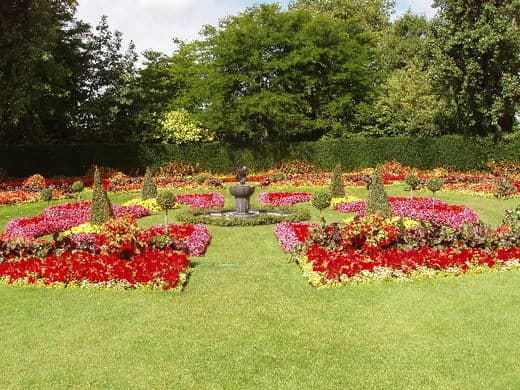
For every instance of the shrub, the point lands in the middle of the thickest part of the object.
(377, 202)
(512, 218)
(166, 201)
(77, 187)
(46, 195)
(504, 188)
(413, 181)
(434, 185)
(35, 182)
(179, 128)
(321, 200)
(149, 189)
(337, 188)
(100, 209)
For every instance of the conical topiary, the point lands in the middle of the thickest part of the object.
(377, 202)
(100, 209)
(337, 188)
(149, 189)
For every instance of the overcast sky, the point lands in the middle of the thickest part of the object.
(152, 24)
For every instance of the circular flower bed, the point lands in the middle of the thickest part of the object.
(420, 209)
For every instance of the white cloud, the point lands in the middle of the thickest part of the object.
(417, 6)
(152, 24)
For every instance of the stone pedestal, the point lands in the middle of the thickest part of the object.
(242, 193)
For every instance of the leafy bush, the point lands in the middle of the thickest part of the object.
(434, 184)
(504, 188)
(377, 202)
(101, 208)
(413, 181)
(46, 195)
(512, 218)
(178, 128)
(337, 188)
(166, 201)
(77, 186)
(149, 189)
(321, 200)
(35, 182)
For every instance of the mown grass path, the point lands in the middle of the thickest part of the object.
(248, 320)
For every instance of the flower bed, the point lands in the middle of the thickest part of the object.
(375, 249)
(201, 201)
(290, 235)
(120, 255)
(55, 219)
(278, 199)
(152, 269)
(420, 209)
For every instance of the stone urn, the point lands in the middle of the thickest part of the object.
(242, 193)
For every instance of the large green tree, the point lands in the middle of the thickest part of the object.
(272, 75)
(476, 58)
(406, 103)
(41, 63)
(59, 80)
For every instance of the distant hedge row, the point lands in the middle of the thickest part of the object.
(448, 151)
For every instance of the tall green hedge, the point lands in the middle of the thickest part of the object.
(427, 152)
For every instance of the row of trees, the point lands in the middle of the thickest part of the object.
(323, 68)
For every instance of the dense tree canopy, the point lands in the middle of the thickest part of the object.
(476, 51)
(322, 68)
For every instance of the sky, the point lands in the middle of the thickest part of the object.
(152, 24)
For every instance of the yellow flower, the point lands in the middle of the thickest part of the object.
(345, 199)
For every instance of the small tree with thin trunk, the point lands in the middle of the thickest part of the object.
(166, 201)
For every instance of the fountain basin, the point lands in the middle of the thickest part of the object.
(242, 193)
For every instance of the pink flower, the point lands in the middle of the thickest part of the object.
(420, 209)
(202, 201)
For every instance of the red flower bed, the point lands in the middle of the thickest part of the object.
(152, 268)
(283, 198)
(201, 201)
(420, 209)
(121, 255)
(373, 249)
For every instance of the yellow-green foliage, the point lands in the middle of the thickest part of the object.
(150, 204)
(179, 128)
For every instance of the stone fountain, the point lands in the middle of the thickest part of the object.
(242, 192)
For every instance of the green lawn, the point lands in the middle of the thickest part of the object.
(248, 320)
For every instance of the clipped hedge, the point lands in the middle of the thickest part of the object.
(454, 151)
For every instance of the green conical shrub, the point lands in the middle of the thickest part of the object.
(337, 188)
(101, 209)
(377, 202)
(149, 189)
